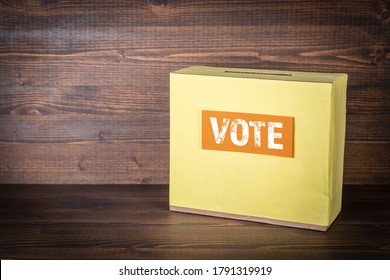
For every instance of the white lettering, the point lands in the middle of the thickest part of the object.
(256, 127)
(219, 136)
(245, 132)
(272, 135)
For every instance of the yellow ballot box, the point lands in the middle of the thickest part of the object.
(257, 145)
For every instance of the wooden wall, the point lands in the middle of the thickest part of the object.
(84, 85)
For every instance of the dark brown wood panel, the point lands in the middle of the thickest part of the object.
(133, 222)
(188, 12)
(367, 162)
(91, 78)
(137, 161)
(105, 162)
(220, 50)
(133, 126)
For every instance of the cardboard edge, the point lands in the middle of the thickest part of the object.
(209, 71)
(247, 218)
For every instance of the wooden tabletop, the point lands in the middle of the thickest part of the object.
(133, 222)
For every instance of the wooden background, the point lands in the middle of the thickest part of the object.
(84, 85)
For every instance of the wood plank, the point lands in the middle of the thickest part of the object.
(85, 100)
(313, 41)
(124, 66)
(127, 162)
(367, 162)
(185, 12)
(368, 113)
(133, 222)
(70, 128)
(84, 162)
(367, 155)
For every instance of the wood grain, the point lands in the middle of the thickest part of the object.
(133, 222)
(89, 80)
(103, 161)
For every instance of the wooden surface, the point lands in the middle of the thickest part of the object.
(84, 87)
(133, 222)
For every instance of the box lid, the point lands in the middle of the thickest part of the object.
(262, 74)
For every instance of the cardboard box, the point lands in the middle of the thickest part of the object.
(257, 145)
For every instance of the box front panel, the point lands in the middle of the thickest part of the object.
(269, 186)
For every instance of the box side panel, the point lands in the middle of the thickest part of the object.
(339, 105)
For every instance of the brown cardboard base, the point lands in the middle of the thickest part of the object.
(247, 218)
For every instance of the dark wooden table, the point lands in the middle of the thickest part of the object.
(133, 222)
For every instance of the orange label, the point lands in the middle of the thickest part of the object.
(248, 133)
